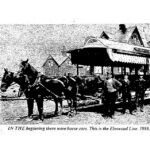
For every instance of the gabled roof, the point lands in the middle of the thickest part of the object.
(106, 33)
(58, 58)
(124, 38)
(115, 45)
(144, 39)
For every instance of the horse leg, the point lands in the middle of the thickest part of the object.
(61, 106)
(39, 102)
(74, 104)
(74, 101)
(69, 103)
(56, 106)
(72, 107)
(30, 104)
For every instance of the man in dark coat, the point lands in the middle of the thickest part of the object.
(111, 88)
(140, 88)
(126, 94)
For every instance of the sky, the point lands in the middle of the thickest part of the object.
(37, 41)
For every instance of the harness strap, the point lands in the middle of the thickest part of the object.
(37, 80)
(52, 93)
(60, 82)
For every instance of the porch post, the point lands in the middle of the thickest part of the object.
(102, 69)
(91, 70)
(145, 66)
(136, 71)
(77, 69)
(124, 70)
(112, 70)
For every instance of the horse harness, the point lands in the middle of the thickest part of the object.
(37, 83)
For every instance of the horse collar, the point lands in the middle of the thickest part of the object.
(37, 80)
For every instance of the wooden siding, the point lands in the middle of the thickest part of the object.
(51, 68)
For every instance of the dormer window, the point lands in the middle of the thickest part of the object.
(135, 40)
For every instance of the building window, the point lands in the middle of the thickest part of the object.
(51, 63)
(133, 71)
(127, 70)
(135, 40)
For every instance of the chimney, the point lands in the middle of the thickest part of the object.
(122, 28)
(63, 52)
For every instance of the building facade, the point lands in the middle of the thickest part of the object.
(124, 51)
(60, 64)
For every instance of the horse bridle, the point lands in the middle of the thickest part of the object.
(9, 83)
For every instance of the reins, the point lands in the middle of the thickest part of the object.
(38, 82)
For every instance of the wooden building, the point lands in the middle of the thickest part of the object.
(123, 51)
(60, 64)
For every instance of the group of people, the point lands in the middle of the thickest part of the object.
(113, 86)
(112, 89)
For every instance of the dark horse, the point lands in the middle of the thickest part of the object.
(22, 80)
(41, 86)
(31, 92)
(72, 92)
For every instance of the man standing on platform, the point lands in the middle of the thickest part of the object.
(140, 88)
(111, 88)
(126, 94)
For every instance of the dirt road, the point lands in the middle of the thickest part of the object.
(15, 112)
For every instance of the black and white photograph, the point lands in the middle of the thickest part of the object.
(77, 74)
(74, 74)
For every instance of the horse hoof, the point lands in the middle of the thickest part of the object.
(41, 118)
(56, 114)
(17, 119)
(70, 114)
(39, 121)
(60, 113)
(75, 112)
(29, 119)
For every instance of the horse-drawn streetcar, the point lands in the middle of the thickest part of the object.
(127, 56)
